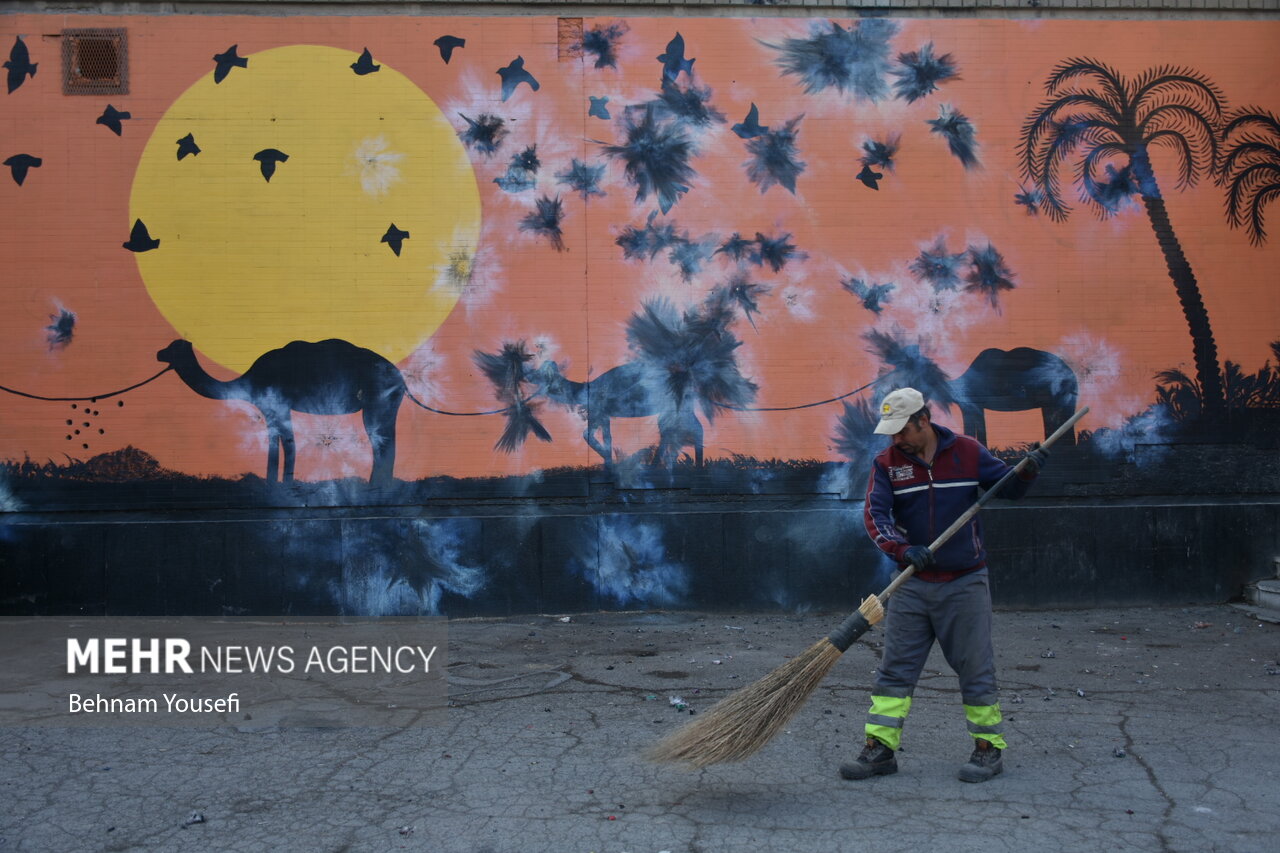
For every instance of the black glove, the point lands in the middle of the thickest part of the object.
(918, 556)
(1036, 458)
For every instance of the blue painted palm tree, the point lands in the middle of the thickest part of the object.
(855, 437)
(1099, 118)
(908, 367)
(1250, 169)
(507, 371)
(694, 354)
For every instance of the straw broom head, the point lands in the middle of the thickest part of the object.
(739, 725)
(743, 722)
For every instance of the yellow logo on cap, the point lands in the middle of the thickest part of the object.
(886, 408)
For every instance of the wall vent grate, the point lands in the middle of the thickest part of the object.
(95, 62)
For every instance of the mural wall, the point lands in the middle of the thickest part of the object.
(406, 315)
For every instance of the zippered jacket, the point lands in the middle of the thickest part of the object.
(911, 503)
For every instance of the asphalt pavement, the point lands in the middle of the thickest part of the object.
(1133, 729)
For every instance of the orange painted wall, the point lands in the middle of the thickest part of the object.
(1094, 291)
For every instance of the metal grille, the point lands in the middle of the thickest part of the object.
(95, 62)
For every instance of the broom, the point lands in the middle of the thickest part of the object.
(739, 725)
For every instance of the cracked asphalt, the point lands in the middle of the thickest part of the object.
(1134, 729)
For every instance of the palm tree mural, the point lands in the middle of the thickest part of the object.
(1181, 395)
(1101, 119)
(1250, 169)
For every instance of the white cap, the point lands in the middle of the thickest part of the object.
(897, 409)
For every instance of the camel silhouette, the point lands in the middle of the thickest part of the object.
(330, 377)
(1016, 380)
(624, 392)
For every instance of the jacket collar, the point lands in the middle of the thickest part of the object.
(946, 438)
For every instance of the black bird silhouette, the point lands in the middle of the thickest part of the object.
(599, 107)
(268, 158)
(139, 238)
(364, 65)
(187, 145)
(226, 61)
(513, 75)
(673, 61)
(447, 44)
(751, 126)
(19, 164)
(111, 118)
(19, 64)
(870, 178)
(395, 238)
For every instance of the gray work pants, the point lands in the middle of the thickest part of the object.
(958, 615)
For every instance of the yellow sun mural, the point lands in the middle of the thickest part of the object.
(295, 199)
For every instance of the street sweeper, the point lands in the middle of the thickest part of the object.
(926, 479)
(739, 725)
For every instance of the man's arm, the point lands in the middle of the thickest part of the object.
(877, 514)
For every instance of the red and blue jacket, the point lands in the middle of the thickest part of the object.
(911, 503)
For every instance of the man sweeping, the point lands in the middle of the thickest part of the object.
(922, 482)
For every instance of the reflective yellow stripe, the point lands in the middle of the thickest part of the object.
(890, 706)
(889, 710)
(983, 715)
(887, 736)
(986, 723)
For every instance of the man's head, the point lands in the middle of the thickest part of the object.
(905, 417)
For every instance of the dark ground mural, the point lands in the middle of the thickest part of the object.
(644, 283)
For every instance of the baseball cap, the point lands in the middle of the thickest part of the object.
(897, 409)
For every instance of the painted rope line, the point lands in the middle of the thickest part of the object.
(95, 397)
(409, 394)
(807, 405)
(89, 397)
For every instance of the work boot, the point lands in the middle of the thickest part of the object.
(876, 760)
(983, 764)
